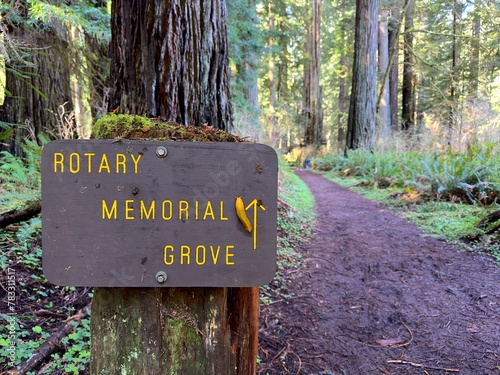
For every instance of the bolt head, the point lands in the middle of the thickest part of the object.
(161, 151)
(161, 277)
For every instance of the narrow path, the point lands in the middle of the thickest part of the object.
(391, 299)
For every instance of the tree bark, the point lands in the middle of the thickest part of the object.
(43, 87)
(394, 29)
(455, 66)
(384, 108)
(408, 86)
(273, 121)
(174, 331)
(363, 103)
(474, 53)
(170, 60)
(312, 106)
(343, 106)
(343, 98)
(489, 219)
(48, 79)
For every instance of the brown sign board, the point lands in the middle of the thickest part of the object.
(148, 213)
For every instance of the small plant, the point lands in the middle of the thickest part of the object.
(328, 162)
(29, 230)
(457, 176)
(21, 171)
(387, 171)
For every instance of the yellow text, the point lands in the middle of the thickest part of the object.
(199, 255)
(89, 162)
(183, 210)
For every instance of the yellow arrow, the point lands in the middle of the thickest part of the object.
(255, 203)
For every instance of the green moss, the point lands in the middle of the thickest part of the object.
(139, 127)
(184, 342)
(115, 125)
(449, 220)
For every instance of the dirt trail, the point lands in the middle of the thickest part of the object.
(378, 296)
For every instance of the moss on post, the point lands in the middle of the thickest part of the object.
(139, 127)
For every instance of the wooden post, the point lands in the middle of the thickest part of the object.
(174, 330)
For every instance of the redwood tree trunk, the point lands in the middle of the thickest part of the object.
(272, 132)
(343, 106)
(362, 108)
(384, 109)
(170, 59)
(393, 26)
(408, 87)
(312, 107)
(474, 52)
(455, 66)
(174, 331)
(45, 86)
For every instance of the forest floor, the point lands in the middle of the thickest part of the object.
(376, 295)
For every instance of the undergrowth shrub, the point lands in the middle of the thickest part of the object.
(25, 171)
(471, 177)
(20, 177)
(295, 206)
(468, 177)
(327, 162)
(387, 171)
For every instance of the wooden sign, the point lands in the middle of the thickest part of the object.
(150, 214)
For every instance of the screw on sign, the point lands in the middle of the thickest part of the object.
(161, 277)
(161, 151)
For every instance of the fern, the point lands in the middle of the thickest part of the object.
(329, 162)
(16, 171)
(29, 229)
(21, 177)
(460, 176)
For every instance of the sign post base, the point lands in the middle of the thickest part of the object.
(174, 331)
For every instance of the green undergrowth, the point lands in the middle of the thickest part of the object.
(295, 223)
(468, 177)
(20, 178)
(445, 195)
(35, 308)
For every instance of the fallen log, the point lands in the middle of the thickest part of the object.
(49, 345)
(487, 226)
(15, 216)
(489, 219)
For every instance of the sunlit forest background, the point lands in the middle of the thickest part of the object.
(291, 62)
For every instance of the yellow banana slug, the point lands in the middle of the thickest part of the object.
(242, 215)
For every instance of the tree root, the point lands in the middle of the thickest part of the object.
(401, 362)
